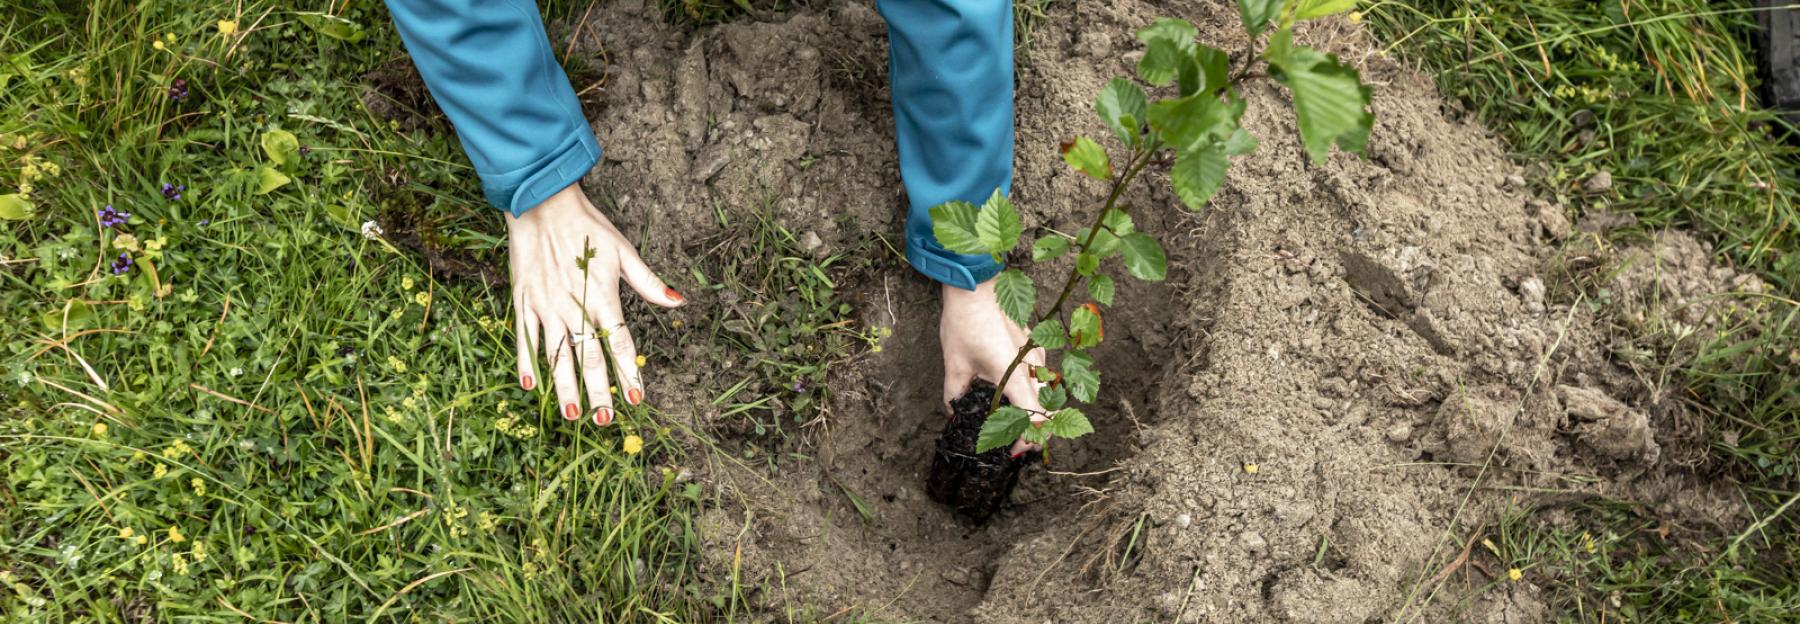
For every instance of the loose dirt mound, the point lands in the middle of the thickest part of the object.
(1292, 424)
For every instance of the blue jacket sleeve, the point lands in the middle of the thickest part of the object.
(950, 69)
(489, 66)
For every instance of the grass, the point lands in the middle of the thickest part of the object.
(1660, 96)
(270, 415)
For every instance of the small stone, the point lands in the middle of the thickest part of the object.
(1600, 183)
(1254, 543)
(1515, 181)
(1531, 289)
(1400, 432)
(810, 242)
(1184, 520)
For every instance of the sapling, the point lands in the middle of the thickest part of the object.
(1198, 126)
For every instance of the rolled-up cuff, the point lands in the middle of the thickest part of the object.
(960, 270)
(521, 190)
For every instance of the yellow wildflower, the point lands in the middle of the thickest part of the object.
(125, 242)
(199, 551)
(198, 485)
(422, 298)
(158, 44)
(406, 283)
(640, 361)
(396, 364)
(633, 445)
(126, 533)
(227, 27)
(1250, 468)
(1515, 574)
(180, 564)
(175, 534)
(99, 430)
(169, 37)
(142, 539)
(161, 470)
(1356, 17)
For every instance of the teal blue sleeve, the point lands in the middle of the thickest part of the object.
(488, 64)
(950, 68)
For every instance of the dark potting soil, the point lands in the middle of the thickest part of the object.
(974, 484)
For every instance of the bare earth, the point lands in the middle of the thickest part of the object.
(1336, 355)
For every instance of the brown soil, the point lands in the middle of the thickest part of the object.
(1364, 355)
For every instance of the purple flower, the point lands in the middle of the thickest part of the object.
(110, 217)
(799, 386)
(172, 192)
(122, 265)
(304, 150)
(178, 90)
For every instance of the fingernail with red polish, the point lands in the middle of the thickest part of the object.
(1018, 454)
(670, 293)
(526, 382)
(571, 412)
(602, 416)
(635, 396)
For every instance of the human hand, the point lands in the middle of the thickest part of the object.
(979, 342)
(558, 306)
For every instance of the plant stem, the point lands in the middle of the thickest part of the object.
(1133, 166)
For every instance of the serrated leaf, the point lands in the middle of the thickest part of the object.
(1035, 435)
(1001, 428)
(1314, 9)
(1086, 262)
(953, 223)
(281, 147)
(1212, 64)
(1163, 61)
(1330, 101)
(1257, 13)
(1240, 143)
(1118, 222)
(1144, 258)
(1198, 174)
(1050, 334)
(1085, 329)
(1079, 375)
(998, 224)
(1187, 122)
(1087, 157)
(1053, 397)
(268, 179)
(1016, 294)
(1050, 247)
(1101, 287)
(14, 207)
(1069, 423)
(1170, 29)
(1121, 105)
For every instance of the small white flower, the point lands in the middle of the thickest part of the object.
(237, 371)
(371, 230)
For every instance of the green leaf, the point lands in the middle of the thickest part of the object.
(1001, 428)
(1144, 257)
(1163, 61)
(1121, 105)
(1314, 9)
(332, 26)
(1329, 99)
(1069, 423)
(998, 225)
(1084, 327)
(1086, 262)
(1035, 435)
(1257, 13)
(953, 223)
(1176, 31)
(1185, 123)
(1240, 143)
(14, 207)
(1101, 287)
(1114, 224)
(1050, 247)
(1118, 222)
(1198, 174)
(1079, 375)
(1017, 295)
(1053, 397)
(71, 316)
(1086, 156)
(281, 146)
(268, 179)
(1212, 64)
(1050, 334)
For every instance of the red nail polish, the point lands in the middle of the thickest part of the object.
(1018, 454)
(526, 382)
(602, 416)
(571, 412)
(670, 293)
(635, 396)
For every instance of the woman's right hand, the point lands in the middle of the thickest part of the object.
(564, 310)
